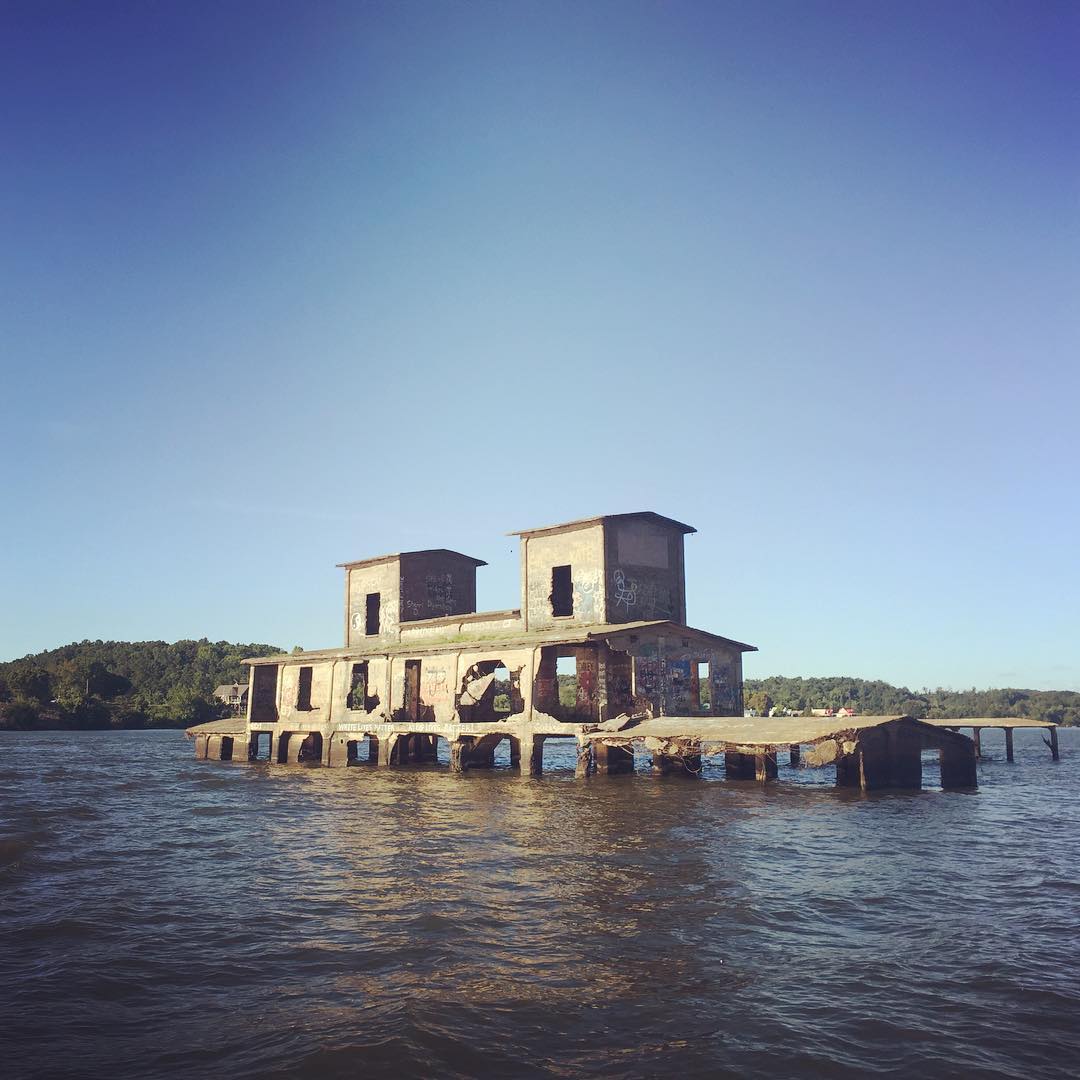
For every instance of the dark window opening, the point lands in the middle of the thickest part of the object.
(562, 591)
(264, 694)
(412, 689)
(371, 615)
(358, 689)
(303, 693)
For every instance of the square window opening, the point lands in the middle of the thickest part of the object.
(562, 591)
(303, 691)
(371, 614)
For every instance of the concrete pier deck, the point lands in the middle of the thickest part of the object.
(870, 752)
(1007, 724)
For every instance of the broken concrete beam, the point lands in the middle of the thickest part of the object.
(584, 765)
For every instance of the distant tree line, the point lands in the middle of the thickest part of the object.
(121, 684)
(877, 698)
(124, 684)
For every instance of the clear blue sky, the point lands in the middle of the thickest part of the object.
(289, 284)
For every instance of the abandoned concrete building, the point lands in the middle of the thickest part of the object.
(598, 652)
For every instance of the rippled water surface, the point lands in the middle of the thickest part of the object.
(167, 917)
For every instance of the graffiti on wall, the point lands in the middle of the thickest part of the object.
(625, 591)
(434, 683)
(649, 599)
(440, 592)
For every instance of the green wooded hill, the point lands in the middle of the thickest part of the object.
(97, 684)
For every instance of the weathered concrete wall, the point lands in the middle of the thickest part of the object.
(583, 550)
(499, 623)
(383, 578)
(435, 583)
(322, 678)
(666, 680)
(645, 573)
(378, 691)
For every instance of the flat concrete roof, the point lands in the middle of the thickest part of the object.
(401, 554)
(570, 635)
(233, 725)
(646, 515)
(992, 721)
(756, 731)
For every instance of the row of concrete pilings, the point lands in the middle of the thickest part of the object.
(873, 763)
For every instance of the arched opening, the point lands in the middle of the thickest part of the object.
(363, 751)
(226, 747)
(559, 755)
(260, 746)
(311, 749)
(442, 751)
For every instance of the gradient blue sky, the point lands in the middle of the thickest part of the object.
(289, 284)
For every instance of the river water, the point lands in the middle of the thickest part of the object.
(163, 917)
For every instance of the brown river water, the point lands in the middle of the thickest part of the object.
(163, 917)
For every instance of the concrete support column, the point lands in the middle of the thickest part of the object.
(687, 764)
(385, 746)
(613, 760)
(890, 757)
(515, 753)
(691, 762)
(739, 766)
(532, 755)
(1054, 744)
(459, 754)
(296, 742)
(794, 754)
(338, 751)
(765, 766)
(1009, 744)
(585, 765)
(976, 738)
(664, 764)
(200, 747)
(848, 772)
(958, 768)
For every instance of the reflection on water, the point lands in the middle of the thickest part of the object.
(166, 917)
